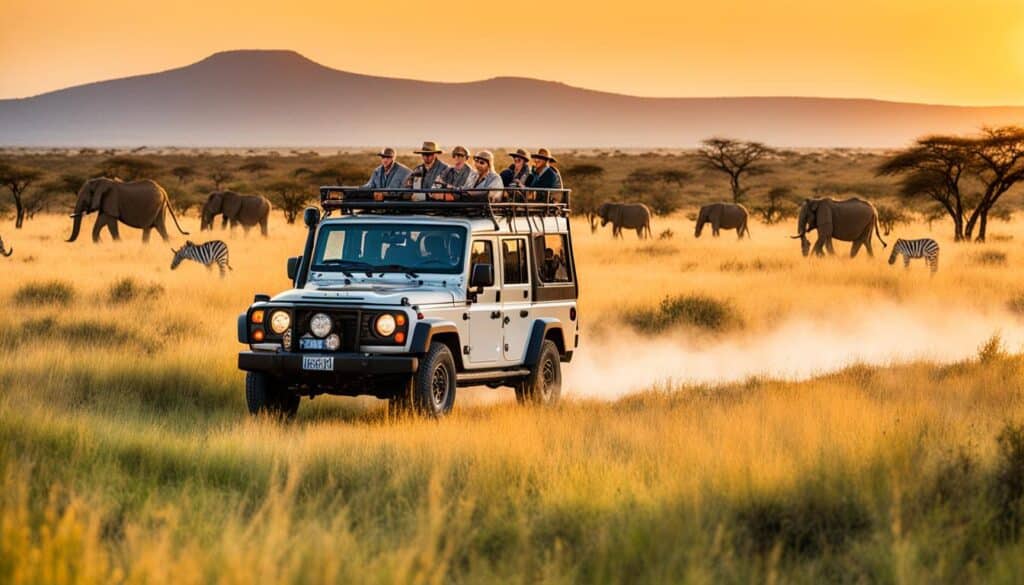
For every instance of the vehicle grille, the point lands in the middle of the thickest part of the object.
(346, 324)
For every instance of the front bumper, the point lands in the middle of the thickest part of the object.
(289, 365)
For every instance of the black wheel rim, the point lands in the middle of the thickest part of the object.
(548, 378)
(439, 386)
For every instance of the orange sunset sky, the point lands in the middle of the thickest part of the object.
(937, 51)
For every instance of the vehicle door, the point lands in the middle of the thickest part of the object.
(485, 315)
(515, 295)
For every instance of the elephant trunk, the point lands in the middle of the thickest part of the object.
(77, 226)
(699, 228)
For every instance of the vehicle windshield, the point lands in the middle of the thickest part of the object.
(379, 248)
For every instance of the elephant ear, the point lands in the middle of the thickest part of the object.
(232, 204)
(100, 191)
(824, 218)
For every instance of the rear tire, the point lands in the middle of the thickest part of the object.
(433, 386)
(543, 387)
(265, 395)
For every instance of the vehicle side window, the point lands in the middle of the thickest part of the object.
(516, 266)
(481, 253)
(551, 253)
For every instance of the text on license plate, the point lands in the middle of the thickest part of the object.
(306, 343)
(325, 364)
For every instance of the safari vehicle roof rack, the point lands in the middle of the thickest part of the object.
(515, 202)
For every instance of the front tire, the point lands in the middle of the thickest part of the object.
(265, 395)
(433, 386)
(543, 387)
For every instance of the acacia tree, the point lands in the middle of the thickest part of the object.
(219, 176)
(735, 158)
(654, 187)
(184, 174)
(17, 180)
(779, 206)
(889, 216)
(128, 167)
(257, 167)
(997, 160)
(933, 168)
(290, 197)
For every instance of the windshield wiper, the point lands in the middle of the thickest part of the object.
(351, 265)
(395, 268)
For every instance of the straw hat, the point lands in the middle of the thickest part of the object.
(544, 154)
(387, 152)
(460, 150)
(485, 155)
(429, 147)
(520, 153)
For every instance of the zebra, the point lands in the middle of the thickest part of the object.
(207, 254)
(925, 248)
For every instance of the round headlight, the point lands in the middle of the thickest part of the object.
(385, 325)
(320, 325)
(333, 342)
(280, 321)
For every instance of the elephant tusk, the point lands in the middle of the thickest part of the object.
(800, 237)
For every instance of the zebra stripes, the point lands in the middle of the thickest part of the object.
(925, 248)
(206, 254)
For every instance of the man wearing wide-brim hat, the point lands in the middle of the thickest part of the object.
(390, 174)
(517, 172)
(427, 174)
(544, 176)
(460, 174)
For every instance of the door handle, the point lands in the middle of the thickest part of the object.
(524, 313)
(506, 321)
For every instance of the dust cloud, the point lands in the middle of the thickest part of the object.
(796, 350)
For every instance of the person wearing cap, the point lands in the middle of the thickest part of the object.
(459, 175)
(426, 174)
(543, 176)
(390, 174)
(517, 172)
(486, 178)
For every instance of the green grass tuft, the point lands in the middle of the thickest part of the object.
(700, 311)
(54, 292)
(127, 290)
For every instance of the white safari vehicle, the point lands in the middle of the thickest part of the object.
(409, 294)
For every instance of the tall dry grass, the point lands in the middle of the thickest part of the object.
(126, 454)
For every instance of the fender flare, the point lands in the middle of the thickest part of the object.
(539, 332)
(243, 328)
(425, 330)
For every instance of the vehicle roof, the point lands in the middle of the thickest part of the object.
(517, 225)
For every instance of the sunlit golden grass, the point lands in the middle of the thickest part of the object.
(126, 454)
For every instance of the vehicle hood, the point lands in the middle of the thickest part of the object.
(371, 293)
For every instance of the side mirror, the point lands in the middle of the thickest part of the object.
(481, 277)
(293, 267)
(311, 217)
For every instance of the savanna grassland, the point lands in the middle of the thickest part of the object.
(126, 454)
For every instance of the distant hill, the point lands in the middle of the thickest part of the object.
(280, 98)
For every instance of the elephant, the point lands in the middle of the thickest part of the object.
(626, 215)
(247, 210)
(727, 216)
(138, 204)
(850, 220)
(5, 251)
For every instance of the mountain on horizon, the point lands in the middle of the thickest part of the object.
(280, 98)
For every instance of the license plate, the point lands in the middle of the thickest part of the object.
(307, 343)
(323, 364)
